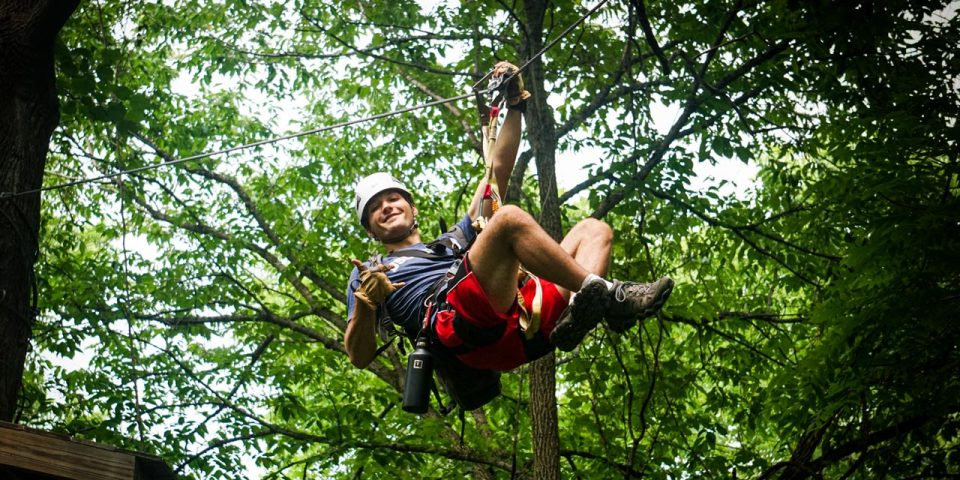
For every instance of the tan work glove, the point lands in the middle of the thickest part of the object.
(516, 93)
(375, 286)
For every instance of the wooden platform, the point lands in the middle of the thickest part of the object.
(30, 454)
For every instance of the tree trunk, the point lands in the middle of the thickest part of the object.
(28, 115)
(541, 132)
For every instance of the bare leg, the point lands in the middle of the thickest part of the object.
(622, 304)
(589, 243)
(513, 236)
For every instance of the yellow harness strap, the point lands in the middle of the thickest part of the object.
(497, 115)
(530, 318)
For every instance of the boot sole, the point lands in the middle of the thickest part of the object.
(584, 316)
(622, 324)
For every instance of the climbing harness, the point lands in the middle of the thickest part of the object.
(470, 388)
(530, 316)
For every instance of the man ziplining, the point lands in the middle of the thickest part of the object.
(472, 304)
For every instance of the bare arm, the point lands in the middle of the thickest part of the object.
(360, 338)
(503, 157)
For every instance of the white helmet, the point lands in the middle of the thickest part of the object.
(370, 186)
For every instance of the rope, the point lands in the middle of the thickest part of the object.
(473, 92)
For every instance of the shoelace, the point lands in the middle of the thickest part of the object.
(620, 292)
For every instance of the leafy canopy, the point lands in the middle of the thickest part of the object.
(197, 311)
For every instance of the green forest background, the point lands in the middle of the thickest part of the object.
(197, 311)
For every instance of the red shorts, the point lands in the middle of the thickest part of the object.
(483, 338)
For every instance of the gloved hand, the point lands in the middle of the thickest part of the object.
(516, 93)
(375, 286)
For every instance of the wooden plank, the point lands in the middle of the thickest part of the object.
(55, 455)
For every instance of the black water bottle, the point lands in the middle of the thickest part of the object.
(416, 392)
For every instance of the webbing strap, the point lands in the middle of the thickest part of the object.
(457, 243)
(530, 318)
(491, 193)
(383, 347)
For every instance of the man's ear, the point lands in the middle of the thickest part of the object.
(414, 210)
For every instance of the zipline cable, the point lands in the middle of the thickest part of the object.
(314, 131)
(556, 39)
(237, 148)
(543, 50)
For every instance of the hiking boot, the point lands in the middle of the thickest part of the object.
(582, 316)
(633, 301)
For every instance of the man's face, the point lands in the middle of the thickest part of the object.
(390, 216)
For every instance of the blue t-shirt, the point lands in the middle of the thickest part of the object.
(419, 274)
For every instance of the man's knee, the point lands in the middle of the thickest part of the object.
(595, 229)
(510, 219)
(513, 213)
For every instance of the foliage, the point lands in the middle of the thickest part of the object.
(196, 311)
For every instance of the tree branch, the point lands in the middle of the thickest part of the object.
(601, 99)
(456, 112)
(622, 467)
(220, 443)
(739, 228)
(203, 229)
(764, 316)
(369, 53)
(427, 34)
(649, 36)
(692, 104)
(705, 325)
(863, 443)
(589, 182)
(254, 211)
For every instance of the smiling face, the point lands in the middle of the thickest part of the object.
(390, 216)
